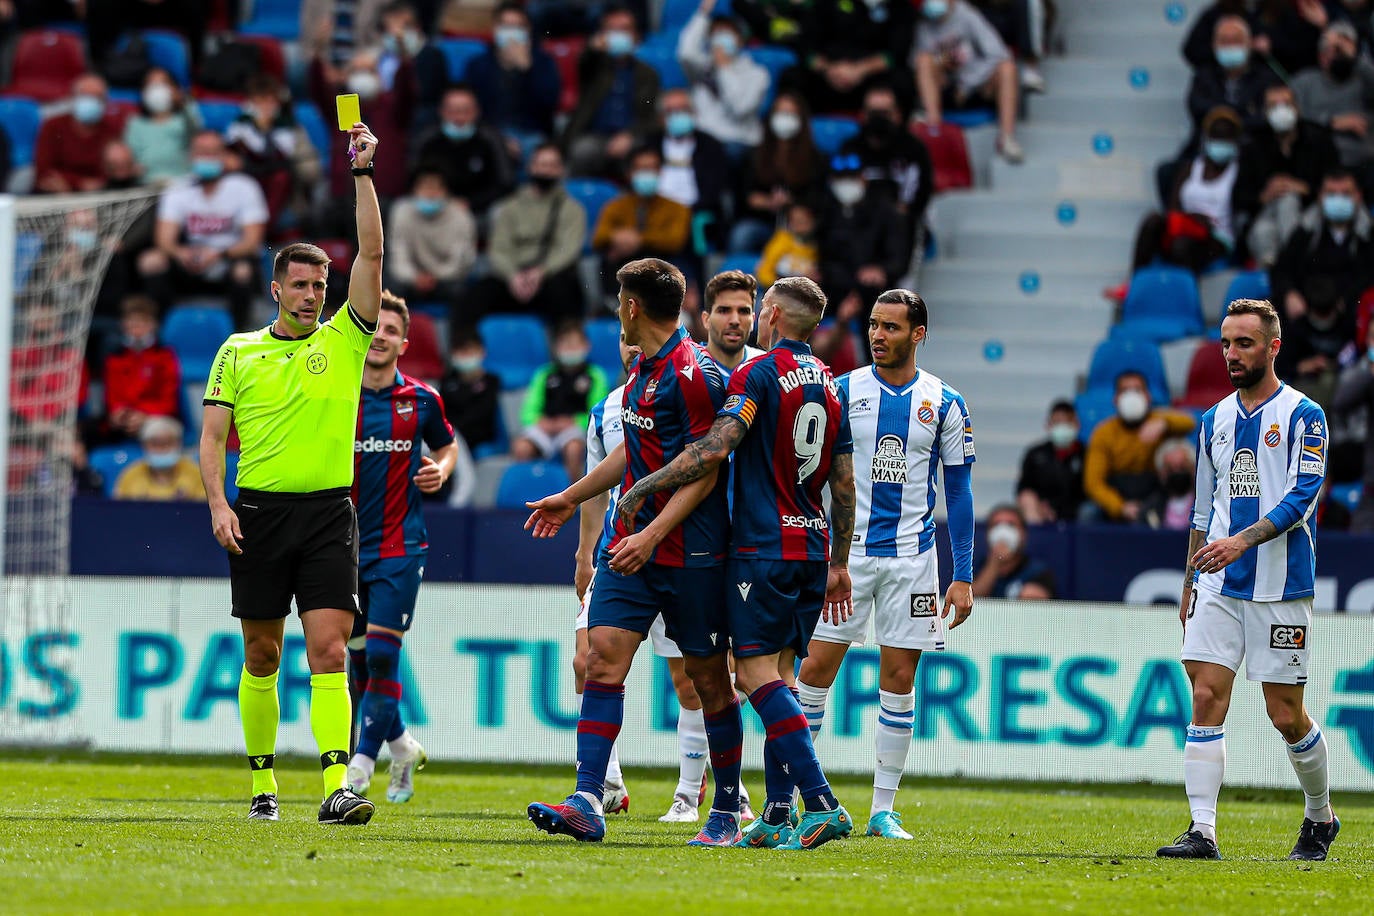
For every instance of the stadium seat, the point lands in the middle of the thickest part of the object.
(1253, 284)
(830, 133)
(195, 333)
(675, 13)
(516, 346)
(167, 50)
(497, 448)
(776, 61)
(592, 194)
(948, 155)
(1208, 381)
(1164, 303)
(312, 122)
(1347, 494)
(459, 52)
(424, 358)
(663, 58)
(21, 117)
(529, 480)
(217, 116)
(565, 53)
(341, 253)
(604, 334)
(109, 461)
(1114, 356)
(271, 56)
(279, 18)
(1093, 407)
(971, 117)
(45, 63)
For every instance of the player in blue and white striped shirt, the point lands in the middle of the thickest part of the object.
(906, 424)
(1247, 594)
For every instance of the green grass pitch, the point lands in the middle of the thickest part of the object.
(112, 834)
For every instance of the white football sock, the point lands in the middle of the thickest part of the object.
(613, 775)
(402, 744)
(364, 763)
(1204, 764)
(812, 700)
(896, 713)
(691, 753)
(1308, 757)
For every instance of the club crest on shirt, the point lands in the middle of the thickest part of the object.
(926, 413)
(404, 408)
(889, 461)
(649, 390)
(1273, 437)
(1245, 480)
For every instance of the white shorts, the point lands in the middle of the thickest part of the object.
(901, 595)
(1271, 637)
(552, 446)
(663, 646)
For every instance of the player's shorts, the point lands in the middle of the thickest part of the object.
(900, 596)
(663, 646)
(773, 604)
(688, 599)
(552, 446)
(388, 591)
(295, 545)
(1271, 637)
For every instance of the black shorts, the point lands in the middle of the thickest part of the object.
(295, 545)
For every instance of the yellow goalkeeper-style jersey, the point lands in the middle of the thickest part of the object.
(295, 403)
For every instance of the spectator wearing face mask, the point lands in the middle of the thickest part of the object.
(470, 393)
(1335, 238)
(1319, 343)
(1353, 406)
(695, 169)
(1008, 571)
(1234, 78)
(67, 153)
(559, 397)
(1118, 472)
(271, 146)
(1170, 507)
(896, 163)
(160, 133)
(1050, 488)
(1281, 168)
(863, 242)
(1198, 227)
(1339, 93)
(640, 223)
(431, 243)
(617, 98)
(786, 166)
(1286, 31)
(469, 154)
(516, 81)
(164, 473)
(142, 377)
(728, 87)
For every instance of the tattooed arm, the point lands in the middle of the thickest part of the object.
(696, 461)
(1218, 555)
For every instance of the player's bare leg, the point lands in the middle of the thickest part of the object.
(1307, 753)
(260, 710)
(331, 714)
(1204, 759)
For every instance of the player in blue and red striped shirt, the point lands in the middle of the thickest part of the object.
(671, 399)
(787, 422)
(397, 416)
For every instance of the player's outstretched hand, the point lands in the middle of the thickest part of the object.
(549, 515)
(958, 596)
(1218, 555)
(362, 145)
(431, 476)
(225, 524)
(839, 592)
(629, 555)
(627, 507)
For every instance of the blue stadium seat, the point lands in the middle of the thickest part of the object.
(217, 116)
(279, 18)
(676, 13)
(592, 194)
(663, 58)
(27, 247)
(312, 122)
(1114, 356)
(1347, 494)
(110, 460)
(830, 133)
(498, 446)
(169, 51)
(749, 263)
(516, 346)
(21, 118)
(970, 117)
(196, 332)
(1252, 284)
(459, 52)
(775, 60)
(529, 480)
(1093, 407)
(604, 334)
(1166, 300)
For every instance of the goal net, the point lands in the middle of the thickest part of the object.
(54, 252)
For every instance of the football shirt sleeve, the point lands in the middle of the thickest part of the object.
(1206, 476)
(221, 388)
(956, 433)
(356, 332)
(1307, 471)
(744, 395)
(437, 432)
(844, 438)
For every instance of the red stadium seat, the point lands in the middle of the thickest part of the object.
(424, 358)
(1207, 378)
(340, 253)
(565, 53)
(949, 155)
(45, 63)
(272, 59)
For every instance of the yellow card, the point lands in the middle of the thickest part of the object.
(349, 112)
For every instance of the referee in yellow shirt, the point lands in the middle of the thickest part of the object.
(292, 391)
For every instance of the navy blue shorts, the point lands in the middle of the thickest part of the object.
(689, 600)
(387, 592)
(773, 604)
